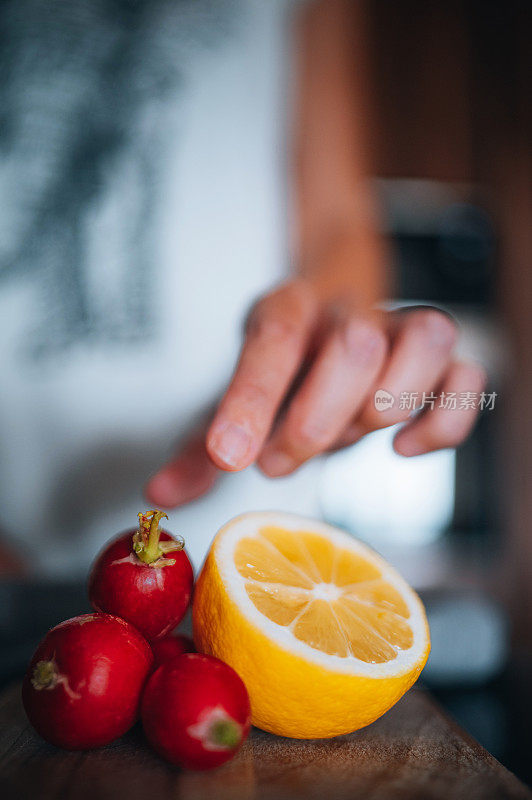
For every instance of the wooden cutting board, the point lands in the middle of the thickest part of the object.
(412, 752)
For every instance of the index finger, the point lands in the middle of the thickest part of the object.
(276, 341)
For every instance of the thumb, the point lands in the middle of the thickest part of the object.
(189, 475)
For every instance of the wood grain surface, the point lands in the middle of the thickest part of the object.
(414, 751)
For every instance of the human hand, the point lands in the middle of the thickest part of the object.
(305, 384)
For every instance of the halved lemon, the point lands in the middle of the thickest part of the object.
(324, 633)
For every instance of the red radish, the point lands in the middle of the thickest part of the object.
(170, 647)
(83, 685)
(195, 711)
(145, 577)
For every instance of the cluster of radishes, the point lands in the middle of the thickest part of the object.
(91, 676)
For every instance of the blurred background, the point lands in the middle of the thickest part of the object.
(450, 85)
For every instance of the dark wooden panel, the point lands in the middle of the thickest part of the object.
(413, 752)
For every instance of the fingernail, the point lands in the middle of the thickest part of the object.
(231, 443)
(409, 447)
(276, 464)
(163, 490)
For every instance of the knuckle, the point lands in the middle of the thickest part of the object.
(364, 338)
(254, 395)
(268, 325)
(446, 431)
(300, 295)
(282, 330)
(477, 377)
(375, 419)
(308, 437)
(283, 314)
(436, 327)
(259, 309)
(450, 439)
